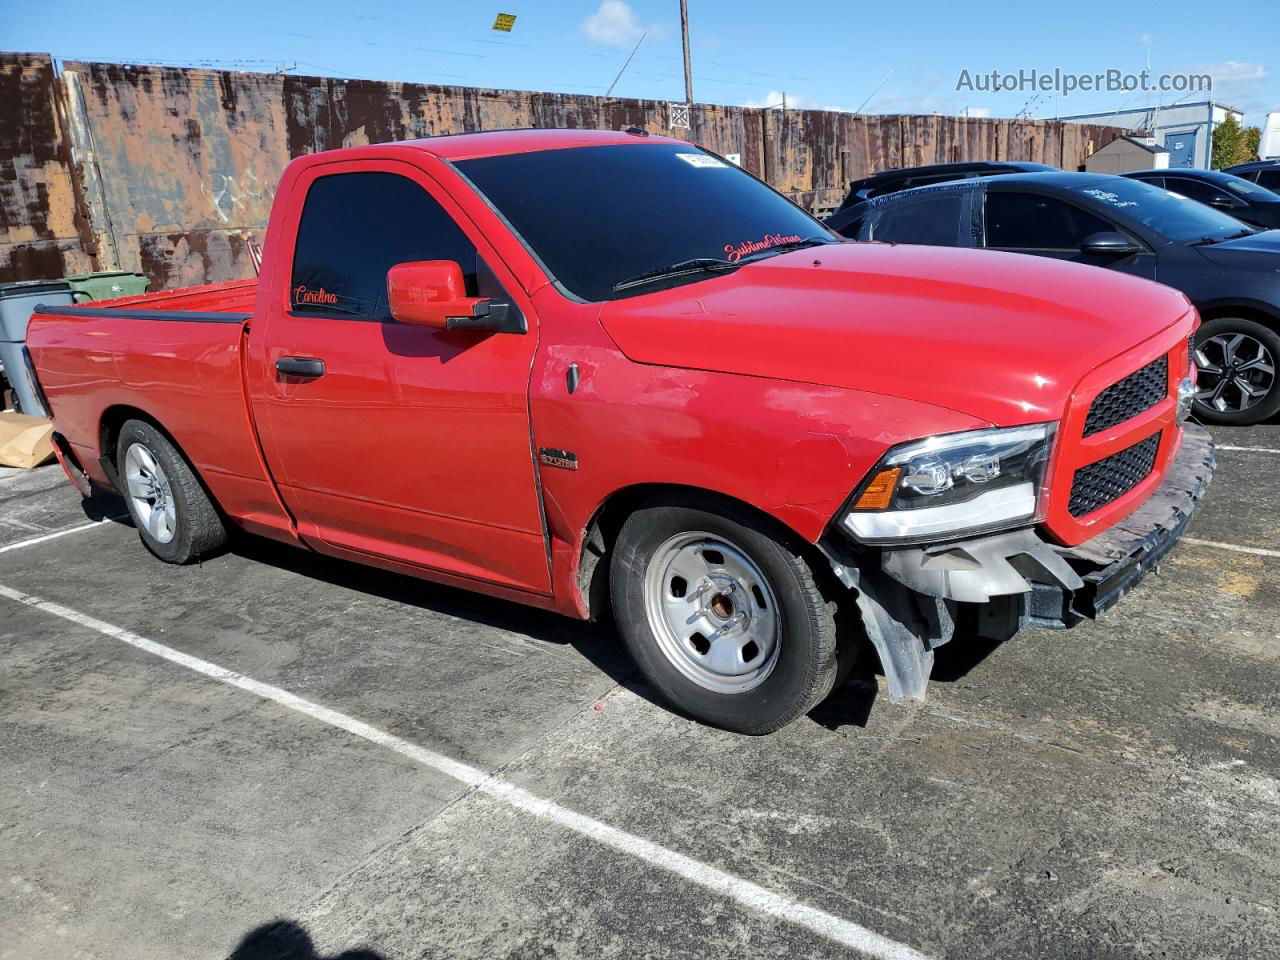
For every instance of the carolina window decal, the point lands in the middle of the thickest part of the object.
(304, 295)
(735, 252)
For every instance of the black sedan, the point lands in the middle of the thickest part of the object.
(1265, 173)
(1230, 271)
(1233, 195)
(904, 178)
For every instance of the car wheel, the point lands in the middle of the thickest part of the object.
(1237, 360)
(723, 615)
(174, 516)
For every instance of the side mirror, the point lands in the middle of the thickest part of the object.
(1221, 201)
(432, 293)
(1108, 243)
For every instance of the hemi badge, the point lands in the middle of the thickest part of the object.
(565, 459)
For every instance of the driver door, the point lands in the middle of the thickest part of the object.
(1023, 222)
(390, 440)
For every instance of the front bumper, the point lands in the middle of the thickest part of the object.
(1064, 585)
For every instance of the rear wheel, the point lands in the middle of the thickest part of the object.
(174, 516)
(722, 614)
(1237, 359)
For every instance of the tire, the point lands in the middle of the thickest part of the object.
(1248, 392)
(175, 517)
(699, 563)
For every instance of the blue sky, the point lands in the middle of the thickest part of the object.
(823, 54)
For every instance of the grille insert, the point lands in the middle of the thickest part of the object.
(1131, 396)
(1108, 480)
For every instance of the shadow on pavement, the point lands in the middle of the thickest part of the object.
(286, 940)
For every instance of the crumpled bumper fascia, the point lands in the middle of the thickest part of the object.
(1067, 584)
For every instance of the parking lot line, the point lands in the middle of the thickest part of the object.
(1248, 449)
(749, 894)
(1256, 551)
(23, 544)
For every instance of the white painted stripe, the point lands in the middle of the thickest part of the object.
(1248, 449)
(1256, 551)
(23, 544)
(745, 892)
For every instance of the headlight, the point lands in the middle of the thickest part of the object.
(960, 483)
(1187, 394)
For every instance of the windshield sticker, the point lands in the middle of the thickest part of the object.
(700, 160)
(733, 253)
(303, 295)
(1112, 198)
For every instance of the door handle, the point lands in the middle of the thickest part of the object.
(306, 367)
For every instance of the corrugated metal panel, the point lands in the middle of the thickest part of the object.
(187, 160)
(41, 234)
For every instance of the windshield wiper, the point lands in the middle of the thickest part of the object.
(1206, 241)
(695, 265)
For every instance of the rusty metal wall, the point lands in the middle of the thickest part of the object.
(185, 161)
(41, 234)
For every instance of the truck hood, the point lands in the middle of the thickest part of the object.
(1001, 337)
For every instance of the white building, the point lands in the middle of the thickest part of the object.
(1184, 129)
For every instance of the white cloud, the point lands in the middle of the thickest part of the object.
(1236, 84)
(977, 111)
(1144, 39)
(794, 102)
(615, 24)
(774, 98)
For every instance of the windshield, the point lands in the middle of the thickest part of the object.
(1169, 214)
(599, 217)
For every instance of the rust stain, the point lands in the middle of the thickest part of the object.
(190, 158)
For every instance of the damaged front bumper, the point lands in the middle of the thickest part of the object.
(1015, 579)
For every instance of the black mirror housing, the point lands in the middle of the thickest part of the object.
(1109, 243)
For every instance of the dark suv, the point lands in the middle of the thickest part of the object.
(904, 178)
(1227, 269)
(1242, 199)
(1265, 173)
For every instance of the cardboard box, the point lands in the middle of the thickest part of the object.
(25, 442)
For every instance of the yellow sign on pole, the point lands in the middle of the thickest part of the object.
(505, 22)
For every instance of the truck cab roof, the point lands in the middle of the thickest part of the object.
(493, 143)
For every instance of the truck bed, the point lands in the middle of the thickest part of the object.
(102, 363)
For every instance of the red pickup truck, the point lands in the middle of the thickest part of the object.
(589, 371)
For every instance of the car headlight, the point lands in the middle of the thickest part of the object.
(1187, 394)
(959, 483)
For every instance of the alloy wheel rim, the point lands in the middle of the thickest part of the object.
(1237, 372)
(713, 612)
(151, 493)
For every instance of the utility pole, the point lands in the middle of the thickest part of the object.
(688, 68)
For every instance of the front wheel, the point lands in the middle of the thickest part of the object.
(722, 615)
(174, 516)
(1237, 381)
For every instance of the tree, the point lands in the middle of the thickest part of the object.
(1234, 144)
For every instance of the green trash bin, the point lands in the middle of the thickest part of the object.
(106, 285)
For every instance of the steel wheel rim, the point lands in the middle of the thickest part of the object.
(1237, 372)
(713, 612)
(150, 493)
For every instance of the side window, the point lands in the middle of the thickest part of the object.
(1154, 181)
(1269, 178)
(354, 228)
(1025, 221)
(1196, 190)
(932, 219)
